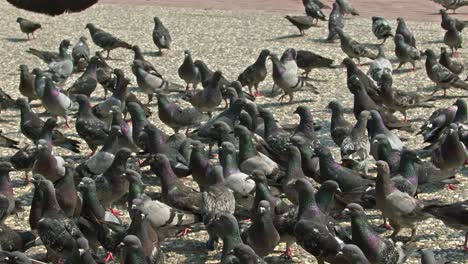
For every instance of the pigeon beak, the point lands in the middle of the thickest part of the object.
(81, 184)
(134, 206)
(133, 155)
(339, 190)
(346, 211)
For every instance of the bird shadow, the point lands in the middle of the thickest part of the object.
(16, 40)
(321, 40)
(438, 41)
(273, 104)
(401, 71)
(286, 37)
(153, 53)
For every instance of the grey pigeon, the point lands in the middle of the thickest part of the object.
(381, 28)
(406, 52)
(449, 63)
(400, 100)
(93, 130)
(49, 56)
(285, 75)
(80, 53)
(28, 26)
(371, 87)
(451, 154)
(451, 4)
(446, 19)
(242, 253)
(145, 64)
(105, 40)
(262, 235)
(8, 142)
(317, 2)
(399, 207)
(293, 173)
(161, 37)
(308, 60)
(27, 83)
(407, 34)
(301, 22)
(376, 249)
(305, 128)
(441, 76)
(352, 48)
(256, 73)
(356, 147)
(62, 67)
(376, 126)
(131, 251)
(313, 10)
(453, 215)
(104, 75)
(188, 71)
(335, 20)
(427, 257)
(54, 101)
(210, 97)
(340, 128)
(226, 227)
(217, 198)
(87, 82)
(453, 38)
(347, 8)
(176, 117)
(7, 197)
(378, 66)
(50, 166)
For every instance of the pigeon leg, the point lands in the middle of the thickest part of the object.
(359, 61)
(26, 177)
(291, 97)
(109, 257)
(184, 232)
(257, 93)
(187, 87)
(405, 119)
(385, 224)
(288, 253)
(108, 55)
(451, 186)
(27, 34)
(150, 98)
(281, 97)
(226, 103)
(115, 212)
(396, 230)
(67, 124)
(92, 153)
(465, 247)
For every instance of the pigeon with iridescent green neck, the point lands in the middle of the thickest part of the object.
(226, 227)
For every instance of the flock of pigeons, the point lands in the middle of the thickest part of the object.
(256, 180)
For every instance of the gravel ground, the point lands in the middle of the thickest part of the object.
(228, 41)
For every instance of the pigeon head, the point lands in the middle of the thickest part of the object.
(228, 148)
(6, 167)
(263, 207)
(334, 105)
(430, 54)
(330, 186)
(87, 184)
(304, 186)
(136, 48)
(399, 38)
(382, 168)
(349, 63)
(335, 6)
(19, 19)
(365, 115)
(241, 130)
(50, 123)
(381, 140)
(353, 253)
(123, 154)
(217, 76)
(298, 141)
(90, 26)
(65, 43)
(400, 20)
(83, 39)
(264, 53)
(354, 209)
(38, 72)
(220, 127)
(302, 110)
(408, 154)
(322, 151)
(289, 55)
(131, 242)
(225, 224)
(160, 159)
(187, 53)
(38, 179)
(293, 151)
(258, 176)
(376, 18)
(442, 12)
(157, 21)
(23, 68)
(22, 103)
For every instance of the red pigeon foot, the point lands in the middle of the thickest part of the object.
(109, 257)
(184, 232)
(288, 253)
(451, 186)
(386, 226)
(115, 212)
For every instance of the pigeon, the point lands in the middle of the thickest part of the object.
(445, 60)
(174, 192)
(407, 34)
(8, 142)
(301, 22)
(453, 215)
(81, 52)
(335, 20)
(93, 130)
(347, 8)
(217, 198)
(356, 147)
(210, 97)
(317, 2)
(285, 74)
(146, 65)
(369, 84)
(446, 19)
(161, 37)
(407, 179)
(451, 4)
(441, 76)
(31, 126)
(243, 254)
(7, 198)
(427, 257)
(53, 9)
(376, 126)
(340, 128)
(381, 28)
(262, 235)
(105, 40)
(226, 227)
(28, 26)
(353, 254)
(276, 137)
(305, 128)
(50, 166)
(352, 48)
(375, 248)
(406, 52)
(451, 154)
(15, 257)
(54, 101)
(49, 56)
(189, 72)
(307, 60)
(380, 65)
(313, 10)
(66, 193)
(310, 162)
(256, 73)
(311, 232)
(104, 74)
(347, 179)
(87, 82)
(27, 83)
(176, 117)
(149, 82)
(399, 100)
(6, 101)
(399, 207)
(24, 159)
(142, 230)
(61, 68)
(132, 251)
(453, 39)
(234, 178)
